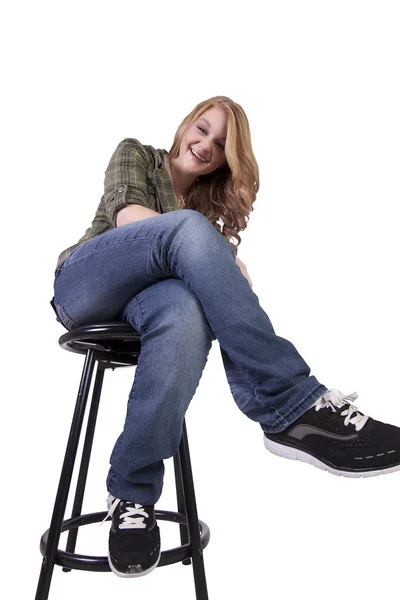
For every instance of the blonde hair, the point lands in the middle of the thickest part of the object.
(229, 192)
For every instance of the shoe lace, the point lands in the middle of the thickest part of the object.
(133, 518)
(336, 399)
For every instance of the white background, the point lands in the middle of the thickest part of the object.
(319, 82)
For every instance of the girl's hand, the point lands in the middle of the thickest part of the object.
(242, 267)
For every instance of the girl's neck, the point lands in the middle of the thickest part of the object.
(183, 181)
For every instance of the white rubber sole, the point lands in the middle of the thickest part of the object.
(113, 569)
(294, 454)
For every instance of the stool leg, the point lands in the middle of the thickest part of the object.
(180, 495)
(193, 521)
(49, 555)
(87, 449)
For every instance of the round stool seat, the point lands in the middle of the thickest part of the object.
(115, 343)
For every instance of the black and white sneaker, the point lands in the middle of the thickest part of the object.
(335, 436)
(134, 547)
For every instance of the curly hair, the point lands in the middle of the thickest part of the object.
(228, 193)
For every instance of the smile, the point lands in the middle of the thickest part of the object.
(196, 155)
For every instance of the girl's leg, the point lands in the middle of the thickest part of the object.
(175, 343)
(99, 277)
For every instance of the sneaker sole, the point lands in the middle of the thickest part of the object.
(121, 574)
(295, 454)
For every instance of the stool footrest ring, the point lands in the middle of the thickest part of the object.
(100, 563)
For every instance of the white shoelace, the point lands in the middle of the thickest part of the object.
(133, 518)
(335, 398)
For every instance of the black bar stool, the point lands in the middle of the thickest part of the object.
(112, 345)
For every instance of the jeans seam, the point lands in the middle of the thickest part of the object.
(119, 444)
(142, 330)
(114, 451)
(252, 380)
(64, 317)
(112, 246)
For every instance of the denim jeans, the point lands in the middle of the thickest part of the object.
(174, 278)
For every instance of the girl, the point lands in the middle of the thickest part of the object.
(159, 255)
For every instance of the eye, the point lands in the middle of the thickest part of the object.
(220, 145)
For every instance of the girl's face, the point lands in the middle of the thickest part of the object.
(206, 138)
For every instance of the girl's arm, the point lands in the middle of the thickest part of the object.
(242, 267)
(133, 212)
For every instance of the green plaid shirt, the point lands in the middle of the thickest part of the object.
(135, 175)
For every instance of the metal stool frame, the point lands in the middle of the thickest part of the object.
(112, 345)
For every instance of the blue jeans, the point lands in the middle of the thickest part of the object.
(174, 278)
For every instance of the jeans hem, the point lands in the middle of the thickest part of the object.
(299, 410)
(131, 497)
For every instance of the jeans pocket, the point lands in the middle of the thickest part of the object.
(63, 316)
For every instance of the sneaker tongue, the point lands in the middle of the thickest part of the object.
(356, 411)
(123, 505)
(353, 414)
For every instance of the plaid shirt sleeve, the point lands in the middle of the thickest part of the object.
(125, 180)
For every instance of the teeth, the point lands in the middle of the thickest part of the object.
(196, 155)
